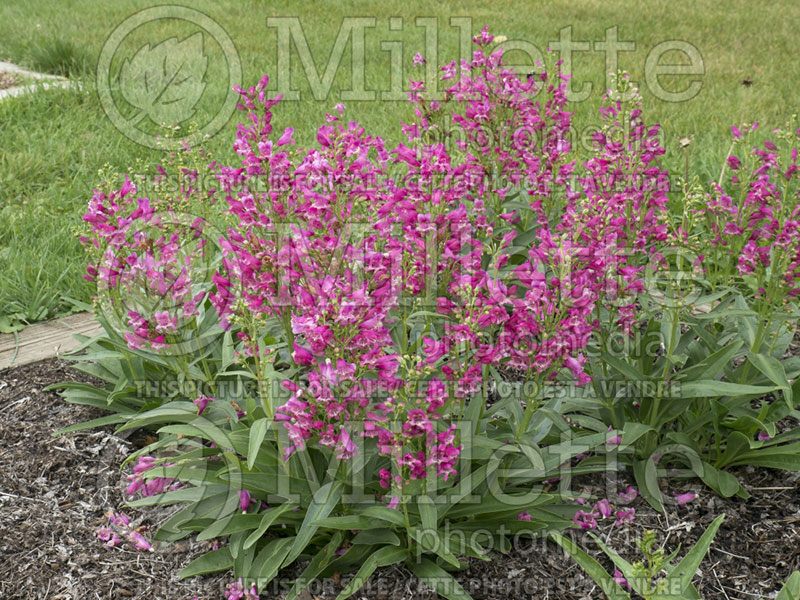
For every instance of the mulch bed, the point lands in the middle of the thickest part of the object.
(54, 493)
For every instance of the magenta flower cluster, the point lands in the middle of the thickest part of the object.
(120, 530)
(152, 486)
(754, 220)
(603, 509)
(148, 259)
(349, 234)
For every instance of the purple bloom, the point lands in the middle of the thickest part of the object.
(137, 539)
(603, 507)
(524, 516)
(587, 520)
(244, 500)
(236, 591)
(684, 499)
(615, 440)
(625, 516)
(629, 495)
(202, 402)
(620, 580)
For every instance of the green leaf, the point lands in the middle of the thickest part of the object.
(348, 522)
(788, 460)
(623, 565)
(232, 524)
(268, 562)
(432, 541)
(324, 501)
(593, 568)
(790, 589)
(774, 371)
(99, 422)
(385, 514)
(644, 471)
(712, 365)
(427, 512)
(257, 433)
(380, 536)
(722, 482)
(465, 488)
(632, 431)
(747, 323)
(711, 388)
(216, 560)
(266, 521)
(736, 444)
(203, 429)
(193, 494)
(622, 367)
(227, 351)
(686, 568)
(316, 566)
(386, 556)
(438, 579)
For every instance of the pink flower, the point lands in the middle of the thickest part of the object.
(236, 591)
(244, 500)
(587, 520)
(763, 436)
(418, 60)
(684, 499)
(620, 580)
(625, 516)
(603, 507)
(301, 355)
(139, 542)
(524, 516)
(345, 447)
(202, 402)
(286, 138)
(629, 495)
(615, 440)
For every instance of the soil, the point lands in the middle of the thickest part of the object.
(54, 492)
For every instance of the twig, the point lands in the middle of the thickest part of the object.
(22, 497)
(731, 554)
(714, 571)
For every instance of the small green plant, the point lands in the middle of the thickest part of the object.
(654, 578)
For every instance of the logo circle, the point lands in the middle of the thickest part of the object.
(212, 28)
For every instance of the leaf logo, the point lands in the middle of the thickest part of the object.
(165, 82)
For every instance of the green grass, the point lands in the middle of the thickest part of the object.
(52, 144)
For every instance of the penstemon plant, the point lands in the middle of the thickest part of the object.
(369, 345)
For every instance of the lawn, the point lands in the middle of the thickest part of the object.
(52, 144)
